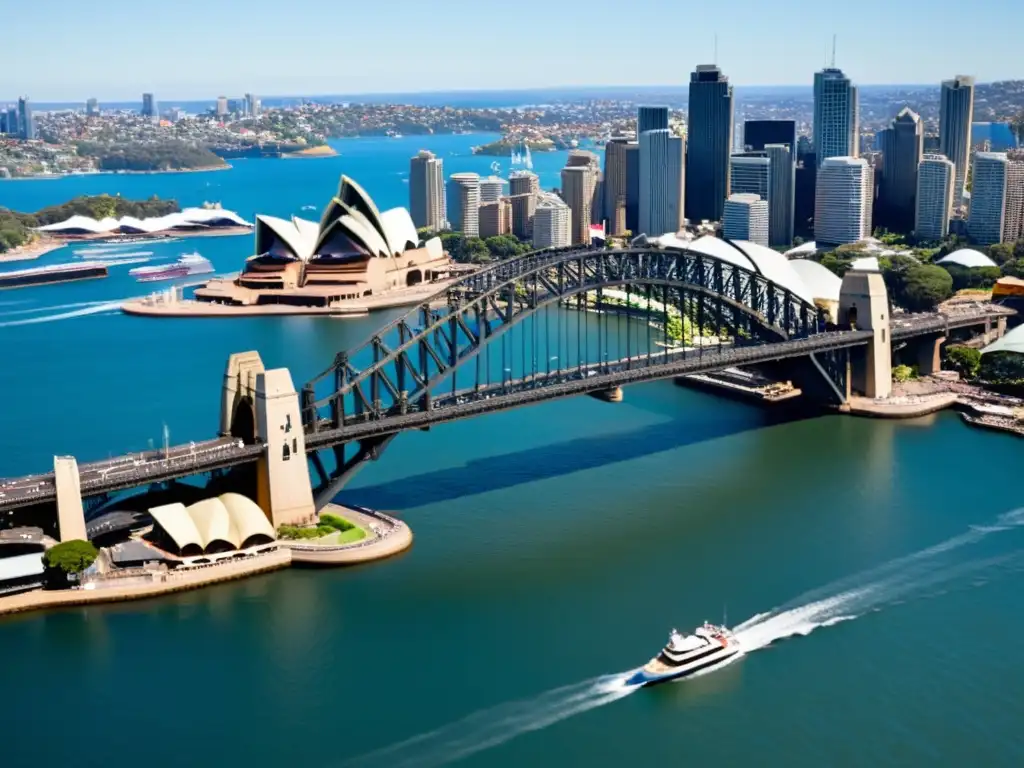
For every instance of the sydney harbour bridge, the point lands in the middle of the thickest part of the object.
(545, 325)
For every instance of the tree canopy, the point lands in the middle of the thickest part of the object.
(163, 156)
(70, 556)
(924, 287)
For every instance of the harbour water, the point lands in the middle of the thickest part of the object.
(555, 547)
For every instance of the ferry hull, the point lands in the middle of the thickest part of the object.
(646, 679)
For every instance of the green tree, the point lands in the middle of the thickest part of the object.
(903, 373)
(475, 251)
(836, 264)
(70, 557)
(972, 277)
(504, 246)
(964, 360)
(925, 286)
(1001, 253)
(1013, 268)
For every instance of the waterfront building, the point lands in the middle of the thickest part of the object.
(222, 106)
(252, 105)
(523, 189)
(26, 122)
(92, 108)
(934, 206)
(426, 191)
(463, 203)
(149, 105)
(633, 186)
(661, 183)
(842, 209)
(21, 559)
(956, 111)
(579, 184)
(651, 118)
(616, 181)
(781, 193)
(552, 222)
(836, 115)
(492, 188)
(495, 218)
(709, 141)
(745, 217)
(9, 121)
(355, 252)
(757, 134)
(997, 199)
(217, 525)
(902, 146)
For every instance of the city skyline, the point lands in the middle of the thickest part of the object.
(316, 65)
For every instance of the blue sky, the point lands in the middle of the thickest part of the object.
(59, 50)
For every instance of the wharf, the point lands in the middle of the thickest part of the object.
(741, 385)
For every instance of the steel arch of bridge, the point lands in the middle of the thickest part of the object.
(430, 343)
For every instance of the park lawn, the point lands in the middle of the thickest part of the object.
(352, 535)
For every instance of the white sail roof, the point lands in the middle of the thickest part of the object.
(967, 257)
(190, 217)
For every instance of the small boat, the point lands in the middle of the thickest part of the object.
(188, 264)
(708, 647)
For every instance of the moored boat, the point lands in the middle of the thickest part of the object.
(708, 647)
(55, 273)
(188, 264)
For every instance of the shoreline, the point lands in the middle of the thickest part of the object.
(32, 252)
(86, 174)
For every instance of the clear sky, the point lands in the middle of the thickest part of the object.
(67, 50)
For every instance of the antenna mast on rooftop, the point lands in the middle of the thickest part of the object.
(833, 51)
(715, 62)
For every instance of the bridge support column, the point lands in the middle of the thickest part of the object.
(613, 395)
(864, 306)
(239, 384)
(929, 355)
(283, 488)
(70, 512)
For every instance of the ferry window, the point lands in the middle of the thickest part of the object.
(883, 335)
(295, 441)
(285, 453)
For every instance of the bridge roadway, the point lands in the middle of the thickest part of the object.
(142, 468)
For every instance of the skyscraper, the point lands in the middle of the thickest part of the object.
(26, 123)
(491, 189)
(758, 133)
(709, 143)
(92, 108)
(495, 218)
(651, 119)
(463, 203)
(11, 123)
(633, 186)
(745, 217)
(222, 106)
(935, 177)
(252, 105)
(149, 107)
(749, 174)
(997, 199)
(578, 182)
(615, 185)
(426, 191)
(661, 182)
(552, 222)
(523, 189)
(781, 194)
(842, 206)
(956, 111)
(836, 115)
(902, 147)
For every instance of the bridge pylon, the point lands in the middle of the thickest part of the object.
(864, 305)
(70, 511)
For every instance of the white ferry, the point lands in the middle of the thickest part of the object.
(708, 647)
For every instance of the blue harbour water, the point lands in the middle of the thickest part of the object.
(555, 547)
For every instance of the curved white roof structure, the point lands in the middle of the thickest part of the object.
(190, 218)
(1012, 341)
(800, 250)
(865, 264)
(351, 223)
(820, 281)
(967, 257)
(229, 521)
(297, 235)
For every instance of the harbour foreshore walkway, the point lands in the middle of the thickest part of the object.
(385, 536)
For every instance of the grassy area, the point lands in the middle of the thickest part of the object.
(331, 530)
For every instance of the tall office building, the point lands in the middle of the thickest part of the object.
(956, 111)
(745, 217)
(934, 205)
(836, 116)
(902, 146)
(651, 119)
(997, 199)
(523, 189)
(92, 108)
(463, 203)
(252, 105)
(781, 194)
(222, 106)
(749, 174)
(662, 161)
(633, 186)
(759, 133)
(426, 191)
(495, 218)
(615, 185)
(26, 122)
(491, 188)
(149, 105)
(709, 141)
(842, 205)
(583, 158)
(11, 123)
(578, 184)
(552, 222)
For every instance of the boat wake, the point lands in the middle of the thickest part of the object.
(844, 600)
(95, 309)
(491, 727)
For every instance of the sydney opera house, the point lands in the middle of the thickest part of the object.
(223, 525)
(355, 252)
(191, 221)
